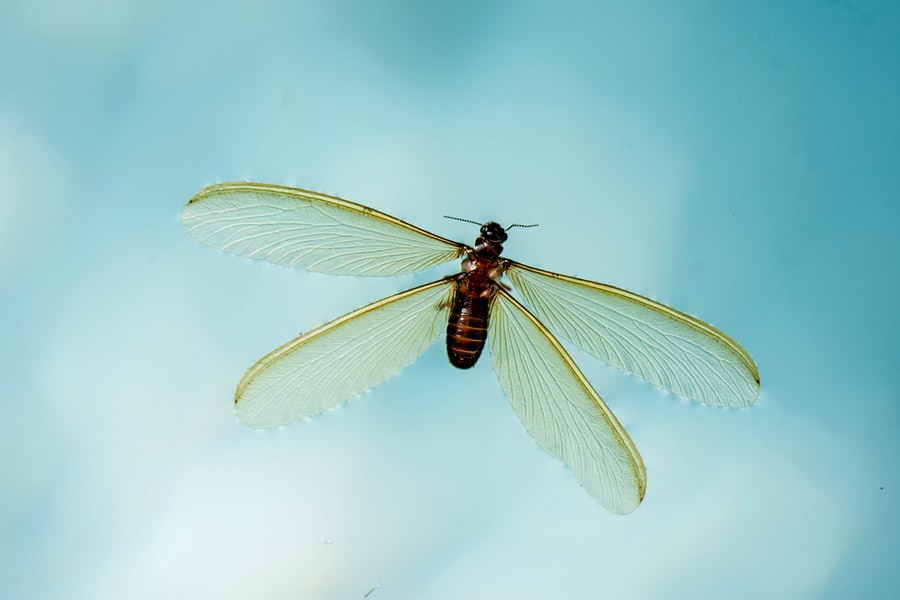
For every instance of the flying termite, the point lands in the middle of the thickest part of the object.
(353, 353)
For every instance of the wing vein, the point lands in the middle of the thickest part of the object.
(306, 230)
(642, 337)
(560, 409)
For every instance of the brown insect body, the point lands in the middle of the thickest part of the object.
(475, 288)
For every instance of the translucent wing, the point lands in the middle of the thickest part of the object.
(306, 230)
(560, 408)
(649, 340)
(341, 359)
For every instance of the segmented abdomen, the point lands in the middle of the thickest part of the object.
(467, 329)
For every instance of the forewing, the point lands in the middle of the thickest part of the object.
(343, 358)
(560, 408)
(645, 338)
(312, 231)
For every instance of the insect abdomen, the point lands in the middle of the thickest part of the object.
(467, 330)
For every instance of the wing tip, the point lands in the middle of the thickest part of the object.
(215, 188)
(206, 191)
(622, 506)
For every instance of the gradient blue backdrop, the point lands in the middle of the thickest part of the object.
(738, 161)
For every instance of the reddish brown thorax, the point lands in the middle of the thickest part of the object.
(475, 287)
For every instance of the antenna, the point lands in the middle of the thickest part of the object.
(520, 225)
(479, 224)
(463, 220)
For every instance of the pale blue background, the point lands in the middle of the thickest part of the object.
(738, 161)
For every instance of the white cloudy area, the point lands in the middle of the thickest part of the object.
(738, 161)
